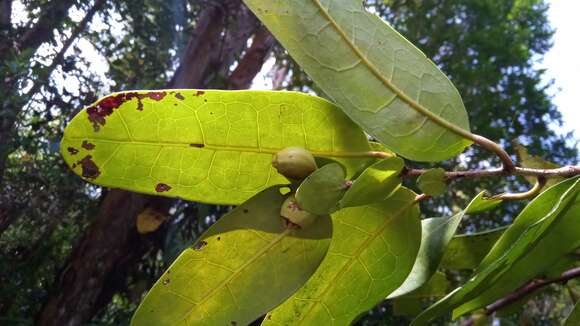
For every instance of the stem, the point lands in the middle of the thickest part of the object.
(532, 286)
(523, 195)
(566, 171)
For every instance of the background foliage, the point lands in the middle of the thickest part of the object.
(67, 244)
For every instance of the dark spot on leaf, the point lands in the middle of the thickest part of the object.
(89, 169)
(166, 281)
(88, 146)
(246, 211)
(72, 151)
(199, 93)
(197, 145)
(174, 104)
(234, 323)
(74, 165)
(347, 184)
(200, 245)
(179, 96)
(162, 187)
(106, 106)
(205, 100)
(219, 238)
(269, 317)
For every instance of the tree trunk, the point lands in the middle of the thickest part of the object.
(100, 262)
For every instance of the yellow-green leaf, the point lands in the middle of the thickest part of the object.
(374, 74)
(209, 146)
(375, 183)
(432, 182)
(481, 204)
(371, 253)
(535, 162)
(466, 251)
(320, 192)
(244, 265)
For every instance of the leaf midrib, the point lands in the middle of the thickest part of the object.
(246, 149)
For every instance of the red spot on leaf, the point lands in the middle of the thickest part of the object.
(106, 106)
(199, 93)
(162, 187)
(179, 96)
(72, 150)
(88, 146)
(89, 169)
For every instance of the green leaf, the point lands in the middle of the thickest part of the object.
(535, 162)
(467, 250)
(411, 304)
(435, 235)
(320, 192)
(374, 74)
(372, 251)
(432, 182)
(573, 318)
(481, 204)
(247, 263)
(545, 230)
(375, 183)
(210, 146)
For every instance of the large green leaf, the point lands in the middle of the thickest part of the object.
(546, 230)
(372, 251)
(244, 265)
(435, 235)
(209, 146)
(467, 250)
(377, 77)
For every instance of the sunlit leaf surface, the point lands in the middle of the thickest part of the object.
(372, 251)
(209, 146)
(244, 265)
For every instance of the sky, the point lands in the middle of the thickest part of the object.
(562, 63)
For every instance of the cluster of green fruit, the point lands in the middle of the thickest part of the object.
(295, 163)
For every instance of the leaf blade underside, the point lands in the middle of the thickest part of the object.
(209, 146)
(371, 253)
(245, 264)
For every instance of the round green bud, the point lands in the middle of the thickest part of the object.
(294, 163)
(296, 215)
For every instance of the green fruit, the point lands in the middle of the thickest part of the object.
(294, 163)
(296, 215)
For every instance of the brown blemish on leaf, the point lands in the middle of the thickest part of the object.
(89, 169)
(234, 323)
(197, 145)
(72, 150)
(162, 187)
(200, 245)
(88, 146)
(166, 281)
(179, 96)
(245, 211)
(199, 93)
(219, 238)
(269, 317)
(106, 106)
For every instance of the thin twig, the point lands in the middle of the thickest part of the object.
(566, 171)
(532, 286)
(540, 183)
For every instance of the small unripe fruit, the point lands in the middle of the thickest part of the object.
(293, 213)
(294, 163)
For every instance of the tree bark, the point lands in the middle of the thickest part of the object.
(100, 262)
(252, 61)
